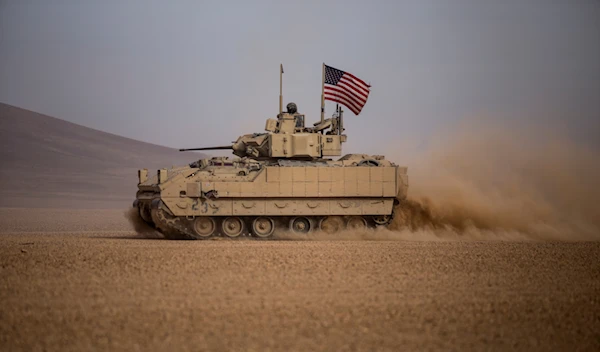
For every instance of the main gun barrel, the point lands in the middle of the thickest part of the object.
(223, 147)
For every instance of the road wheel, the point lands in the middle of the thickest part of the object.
(204, 226)
(145, 214)
(331, 224)
(356, 223)
(300, 225)
(382, 219)
(232, 226)
(263, 227)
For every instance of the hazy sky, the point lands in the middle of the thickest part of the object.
(198, 73)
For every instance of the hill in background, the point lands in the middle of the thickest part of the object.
(48, 162)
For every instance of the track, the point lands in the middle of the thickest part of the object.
(262, 227)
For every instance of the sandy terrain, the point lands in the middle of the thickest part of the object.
(91, 283)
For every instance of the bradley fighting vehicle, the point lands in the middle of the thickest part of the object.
(282, 178)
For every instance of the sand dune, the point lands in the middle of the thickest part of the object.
(48, 162)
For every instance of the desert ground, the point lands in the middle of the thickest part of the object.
(82, 280)
(74, 276)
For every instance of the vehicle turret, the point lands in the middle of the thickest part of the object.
(287, 137)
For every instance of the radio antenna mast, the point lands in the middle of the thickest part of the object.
(280, 88)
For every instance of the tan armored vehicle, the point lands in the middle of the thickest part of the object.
(281, 179)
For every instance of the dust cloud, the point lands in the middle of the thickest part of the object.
(485, 180)
(139, 225)
(378, 234)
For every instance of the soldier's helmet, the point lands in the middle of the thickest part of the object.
(291, 108)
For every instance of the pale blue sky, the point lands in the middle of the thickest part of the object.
(197, 73)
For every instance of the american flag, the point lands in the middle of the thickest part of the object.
(346, 89)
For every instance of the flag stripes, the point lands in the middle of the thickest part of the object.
(346, 89)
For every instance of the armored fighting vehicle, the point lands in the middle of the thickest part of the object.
(281, 179)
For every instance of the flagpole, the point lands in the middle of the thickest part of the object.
(323, 95)
(280, 88)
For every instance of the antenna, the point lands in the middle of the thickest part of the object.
(280, 88)
(341, 120)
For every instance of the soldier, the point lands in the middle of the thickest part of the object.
(291, 108)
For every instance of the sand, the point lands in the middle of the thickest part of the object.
(94, 284)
